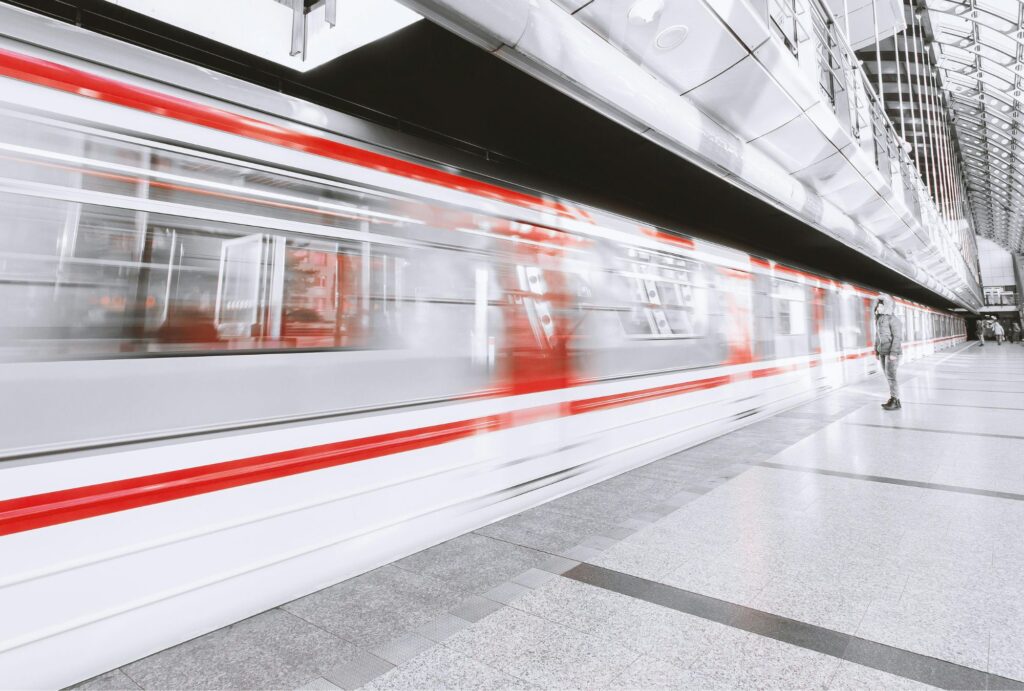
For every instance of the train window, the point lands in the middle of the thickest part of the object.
(790, 303)
(854, 311)
(667, 299)
(81, 279)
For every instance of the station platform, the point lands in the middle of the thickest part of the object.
(835, 545)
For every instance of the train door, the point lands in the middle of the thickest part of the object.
(764, 323)
(867, 309)
(541, 315)
(737, 294)
(827, 301)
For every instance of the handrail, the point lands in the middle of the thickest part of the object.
(835, 56)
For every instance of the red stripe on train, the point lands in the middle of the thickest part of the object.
(54, 75)
(63, 506)
(51, 508)
(617, 400)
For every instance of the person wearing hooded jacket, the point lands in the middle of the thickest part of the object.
(889, 346)
(998, 332)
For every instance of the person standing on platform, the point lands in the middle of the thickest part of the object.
(889, 346)
(998, 332)
(1015, 333)
(980, 330)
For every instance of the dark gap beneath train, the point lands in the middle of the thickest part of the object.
(472, 110)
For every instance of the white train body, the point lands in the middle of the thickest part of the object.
(242, 358)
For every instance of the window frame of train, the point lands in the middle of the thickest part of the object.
(792, 308)
(660, 284)
(854, 321)
(181, 289)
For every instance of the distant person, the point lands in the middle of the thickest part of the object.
(998, 332)
(889, 346)
(1014, 334)
(980, 330)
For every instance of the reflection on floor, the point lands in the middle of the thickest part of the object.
(833, 546)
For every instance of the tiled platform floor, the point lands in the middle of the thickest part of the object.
(833, 546)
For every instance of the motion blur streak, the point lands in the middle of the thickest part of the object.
(242, 361)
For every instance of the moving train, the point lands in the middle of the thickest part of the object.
(244, 356)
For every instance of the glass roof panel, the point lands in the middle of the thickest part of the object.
(979, 47)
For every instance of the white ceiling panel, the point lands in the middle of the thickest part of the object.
(829, 174)
(742, 18)
(797, 144)
(684, 44)
(783, 67)
(746, 100)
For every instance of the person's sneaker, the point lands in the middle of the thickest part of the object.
(893, 404)
(888, 403)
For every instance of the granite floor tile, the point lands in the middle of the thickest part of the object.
(379, 606)
(472, 561)
(639, 561)
(910, 665)
(1006, 650)
(747, 661)
(474, 608)
(971, 421)
(361, 669)
(865, 580)
(853, 677)
(581, 553)
(839, 609)
(443, 627)
(545, 529)
(114, 680)
(274, 649)
(946, 626)
(724, 580)
(318, 684)
(507, 593)
(654, 673)
(597, 504)
(662, 633)
(573, 604)
(534, 578)
(443, 668)
(403, 648)
(556, 564)
(542, 652)
(635, 483)
(680, 474)
(674, 539)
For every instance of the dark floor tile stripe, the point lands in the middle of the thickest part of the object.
(954, 388)
(961, 405)
(894, 481)
(934, 431)
(903, 663)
